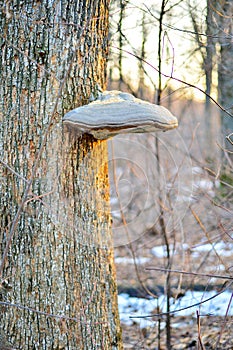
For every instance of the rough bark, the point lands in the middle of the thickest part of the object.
(58, 271)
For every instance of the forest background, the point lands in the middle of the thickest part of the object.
(176, 196)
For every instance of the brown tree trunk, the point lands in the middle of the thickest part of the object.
(54, 191)
(225, 67)
(209, 150)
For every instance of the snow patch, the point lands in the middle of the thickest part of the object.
(212, 303)
(125, 261)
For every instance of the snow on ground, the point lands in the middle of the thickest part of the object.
(125, 260)
(207, 303)
(223, 249)
(211, 303)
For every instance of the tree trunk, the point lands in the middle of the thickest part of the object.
(209, 120)
(208, 58)
(225, 71)
(54, 191)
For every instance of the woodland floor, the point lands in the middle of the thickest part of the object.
(201, 242)
(212, 333)
(184, 335)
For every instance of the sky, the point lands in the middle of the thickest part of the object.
(178, 43)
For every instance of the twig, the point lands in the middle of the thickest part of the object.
(43, 313)
(199, 331)
(224, 322)
(195, 215)
(187, 307)
(13, 171)
(188, 273)
(177, 79)
(228, 137)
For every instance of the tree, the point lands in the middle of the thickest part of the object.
(218, 31)
(223, 18)
(58, 285)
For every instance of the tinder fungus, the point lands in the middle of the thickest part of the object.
(116, 112)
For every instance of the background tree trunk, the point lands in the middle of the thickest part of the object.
(225, 72)
(208, 58)
(60, 260)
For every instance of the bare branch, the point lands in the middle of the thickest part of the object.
(177, 79)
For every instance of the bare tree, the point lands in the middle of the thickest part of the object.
(141, 71)
(223, 18)
(58, 285)
(122, 5)
(210, 53)
(218, 31)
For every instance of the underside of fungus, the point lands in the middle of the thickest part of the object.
(116, 112)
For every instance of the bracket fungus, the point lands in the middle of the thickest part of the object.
(115, 112)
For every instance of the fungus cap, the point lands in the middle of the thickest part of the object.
(116, 112)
